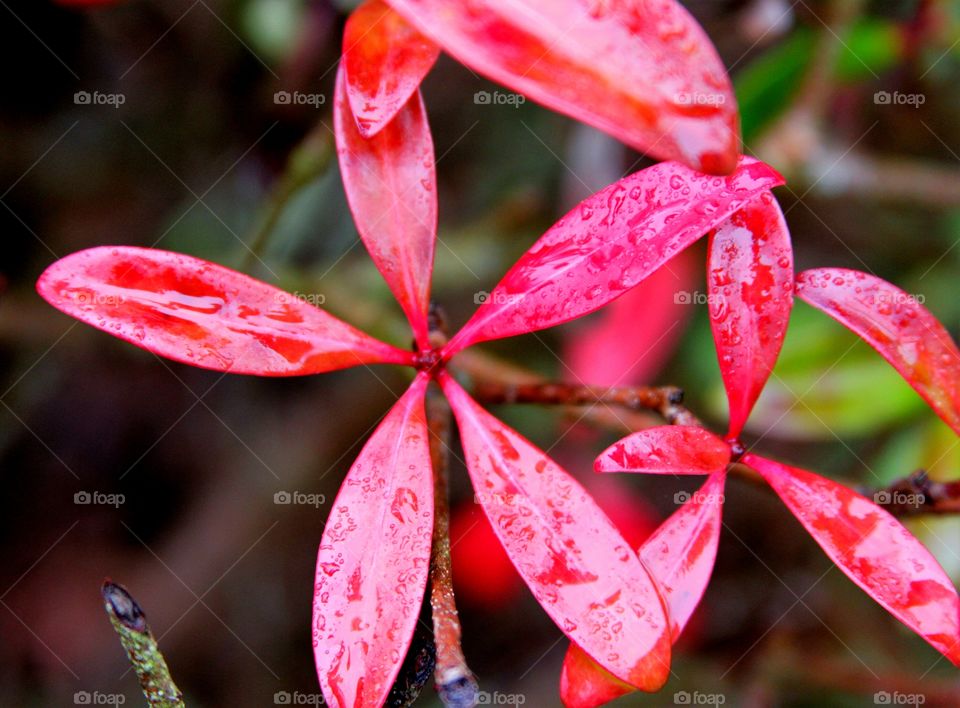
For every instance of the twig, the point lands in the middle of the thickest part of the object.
(455, 682)
(918, 494)
(131, 625)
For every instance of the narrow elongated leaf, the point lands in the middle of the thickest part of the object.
(750, 295)
(374, 559)
(895, 324)
(666, 449)
(645, 72)
(569, 553)
(203, 314)
(385, 60)
(874, 550)
(680, 555)
(391, 185)
(610, 243)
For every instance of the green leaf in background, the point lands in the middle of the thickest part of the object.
(828, 383)
(271, 26)
(764, 87)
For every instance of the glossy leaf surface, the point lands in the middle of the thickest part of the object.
(749, 295)
(374, 560)
(666, 449)
(874, 550)
(569, 553)
(203, 314)
(680, 555)
(610, 243)
(895, 324)
(643, 71)
(385, 60)
(391, 185)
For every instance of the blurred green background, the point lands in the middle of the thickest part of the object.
(193, 160)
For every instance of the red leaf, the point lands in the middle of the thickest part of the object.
(374, 560)
(644, 72)
(203, 314)
(391, 184)
(874, 550)
(666, 449)
(385, 59)
(634, 336)
(680, 555)
(901, 329)
(568, 552)
(750, 295)
(586, 684)
(610, 243)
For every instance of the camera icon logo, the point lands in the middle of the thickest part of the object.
(481, 297)
(282, 698)
(681, 498)
(83, 98)
(482, 98)
(681, 698)
(283, 98)
(882, 698)
(82, 498)
(283, 498)
(82, 698)
(882, 98)
(882, 497)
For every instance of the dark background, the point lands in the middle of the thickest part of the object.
(189, 163)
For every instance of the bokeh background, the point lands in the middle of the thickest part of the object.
(185, 145)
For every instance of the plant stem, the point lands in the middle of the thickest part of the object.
(131, 625)
(665, 400)
(455, 682)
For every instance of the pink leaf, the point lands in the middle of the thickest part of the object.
(586, 684)
(568, 552)
(609, 244)
(374, 560)
(634, 336)
(391, 184)
(203, 314)
(895, 324)
(666, 449)
(874, 550)
(750, 295)
(644, 72)
(385, 59)
(680, 555)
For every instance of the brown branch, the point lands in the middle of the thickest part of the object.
(918, 494)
